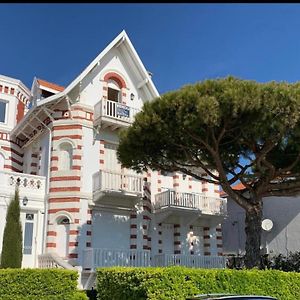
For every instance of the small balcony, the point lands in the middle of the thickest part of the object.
(32, 186)
(111, 184)
(113, 114)
(192, 201)
(173, 205)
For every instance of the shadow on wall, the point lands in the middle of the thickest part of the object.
(283, 237)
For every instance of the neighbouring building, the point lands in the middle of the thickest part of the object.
(281, 238)
(80, 209)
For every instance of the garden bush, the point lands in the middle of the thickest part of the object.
(178, 283)
(39, 284)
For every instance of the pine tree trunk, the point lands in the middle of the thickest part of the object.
(253, 234)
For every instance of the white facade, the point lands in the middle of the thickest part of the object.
(92, 212)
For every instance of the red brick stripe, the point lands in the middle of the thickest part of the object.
(62, 200)
(72, 136)
(51, 233)
(53, 211)
(63, 178)
(63, 127)
(65, 189)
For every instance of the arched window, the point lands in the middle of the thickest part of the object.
(66, 156)
(113, 91)
(63, 220)
(2, 161)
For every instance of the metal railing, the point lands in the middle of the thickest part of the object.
(115, 110)
(207, 204)
(117, 181)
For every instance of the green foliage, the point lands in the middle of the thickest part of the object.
(39, 284)
(247, 131)
(289, 263)
(178, 283)
(230, 116)
(11, 256)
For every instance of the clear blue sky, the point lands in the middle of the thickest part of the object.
(179, 43)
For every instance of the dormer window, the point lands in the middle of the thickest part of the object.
(114, 91)
(45, 94)
(3, 109)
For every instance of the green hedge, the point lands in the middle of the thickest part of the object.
(174, 283)
(39, 284)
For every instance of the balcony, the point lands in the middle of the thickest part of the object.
(113, 114)
(111, 184)
(171, 204)
(96, 257)
(32, 186)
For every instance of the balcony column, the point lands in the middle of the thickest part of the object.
(191, 240)
(176, 188)
(133, 229)
(206, 241)
(102, 154)
(177, 242)
(160, 241)
(34, 163)
(158, 181)
(219, 238)
(146, 214)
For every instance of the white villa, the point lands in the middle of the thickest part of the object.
(79, 208)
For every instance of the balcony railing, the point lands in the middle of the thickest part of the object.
(114, 111)
(28, 184)
(191, 261)
(96, 257)
(208, 205)
(117, 181)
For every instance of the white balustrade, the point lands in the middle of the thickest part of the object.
(96, 257)
(27, 183)
(52, 260)
(117, 181)
(115, 110)
(210, 205)
(191, 261)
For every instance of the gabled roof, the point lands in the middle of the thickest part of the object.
(122, 40)
(50, 85)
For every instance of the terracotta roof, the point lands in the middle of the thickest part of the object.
(50, 85)
(237, 187)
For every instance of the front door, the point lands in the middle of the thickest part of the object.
(62, 245)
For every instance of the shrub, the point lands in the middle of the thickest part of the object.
(39, 284)
(11, 256)
(178, 283)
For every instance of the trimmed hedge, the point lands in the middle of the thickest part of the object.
(178, 283)
(39, 284)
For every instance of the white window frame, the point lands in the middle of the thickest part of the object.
(6, 111)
